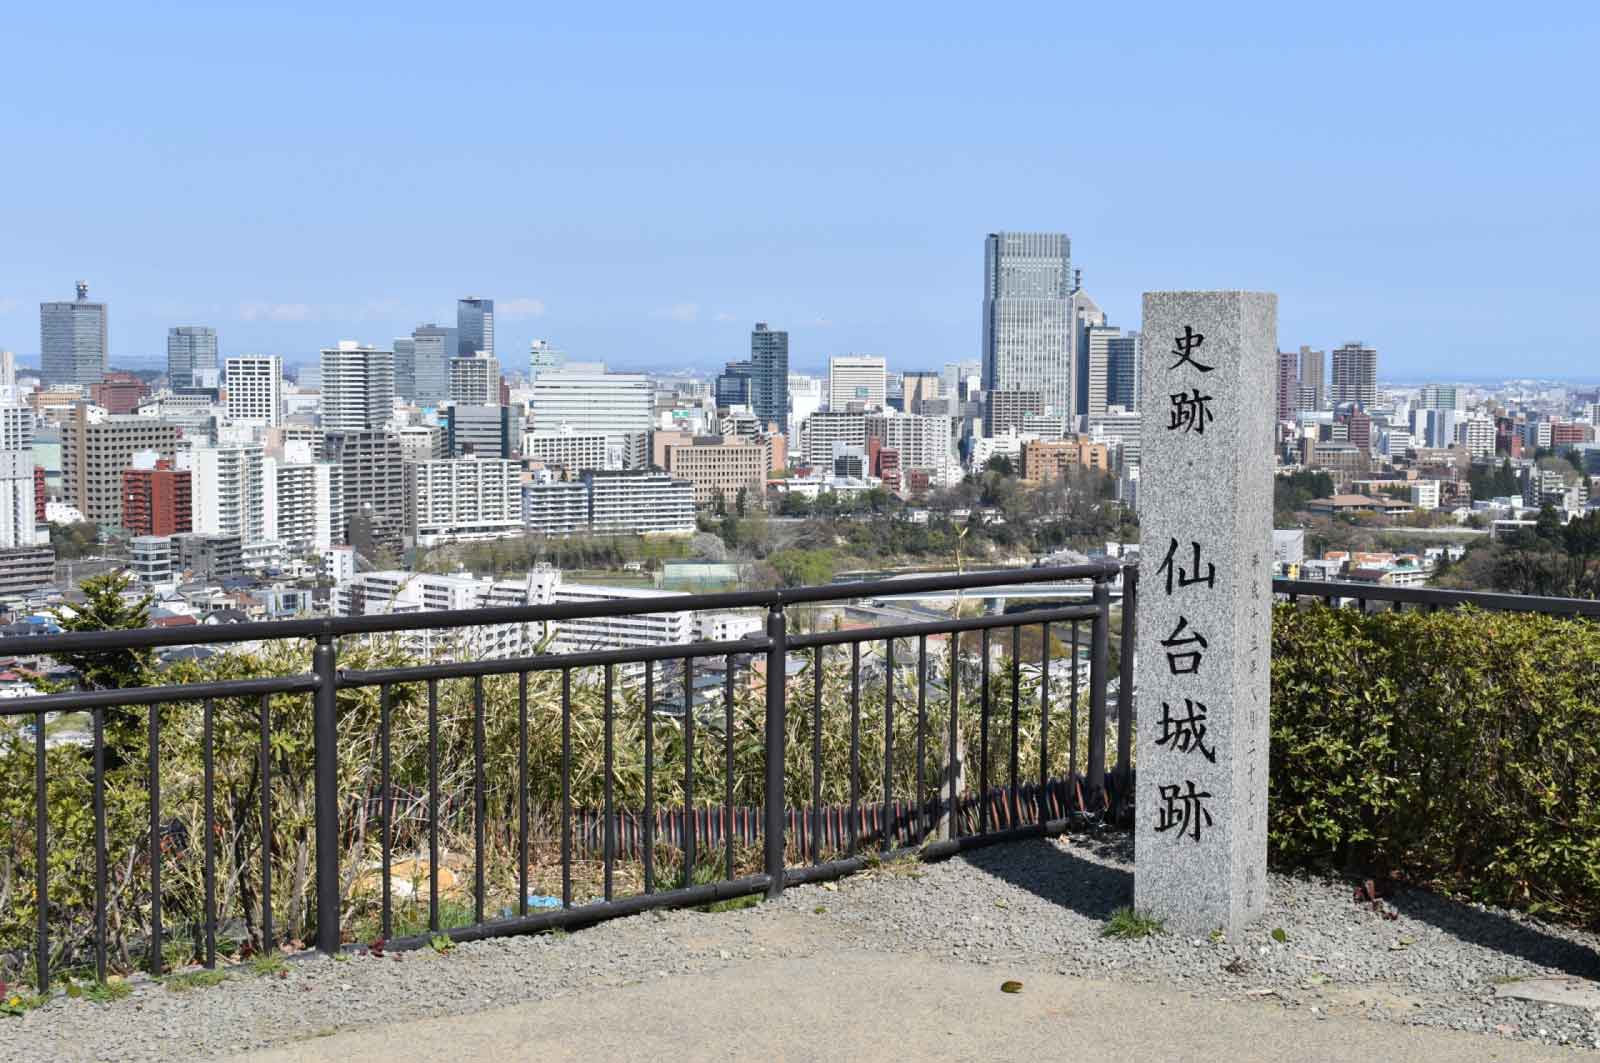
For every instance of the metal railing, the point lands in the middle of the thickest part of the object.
(1369, 596)
(942, 814)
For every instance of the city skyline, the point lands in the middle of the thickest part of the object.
(637, 222)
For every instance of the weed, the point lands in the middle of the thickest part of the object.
(202, 979)
(19, 1003)
(105, 992)
(733, 904)
(441, 943)
(1131, 923)
(268, 963)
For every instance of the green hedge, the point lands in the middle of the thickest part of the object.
(1459, 748)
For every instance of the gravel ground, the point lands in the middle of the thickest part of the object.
(1034, 905)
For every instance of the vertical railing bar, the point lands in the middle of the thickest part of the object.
(649, 777)
(41, 852)
(155, 836)
(480, 807)
(608, 852)
(727, 757)
(386, 812)
(855, 746)
(688, 772)
(922, 731)
(816, 755)
(209, 822)
(268, 942)
(983, 733)
(1016, 708)
(1044, 723)
(522, 793)
(1125, 692)
(775, 723)
(325, 752)
(566, 787)
(888, 747)
(1099, 679)
(100, 855)
(950, 751)
(1072, 734)
(433, 805)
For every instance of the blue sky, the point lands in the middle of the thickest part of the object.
(640, 183)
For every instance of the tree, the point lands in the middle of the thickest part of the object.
(1000, 465)
(107, 608)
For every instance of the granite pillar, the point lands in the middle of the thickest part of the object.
(1203, 658)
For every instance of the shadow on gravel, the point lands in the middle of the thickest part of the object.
(1492, 930)
(1058, 875)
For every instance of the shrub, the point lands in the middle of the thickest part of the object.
(1460, 748)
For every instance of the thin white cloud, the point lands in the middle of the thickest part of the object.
(725, 316)
(525, 306)
(683, 313)
(7, 305)
(262, 311)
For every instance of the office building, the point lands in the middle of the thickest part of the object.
(639, 503)
(118, 392)
(722, 468)
(917, 389)
(255, 390)
(94, 454)
(732, 386)
(542, 358)
(1097, 363)
(1028, 317)
(230, 495)
(1440, 397)
(157, 499)
(1480, 437)
(1007, 411)
(1125, 373)
(573, 451)
(26, 568)
(1355, 375)
(16, 428)
(590, 400)
(463, 499)
(1044, 460)
(474, 327)
(1288, 384)
(1312, 393)
(805, 398)
(72, 341)
(481, 431)
(827, 427)
(357, 387)
(207, 558)
(191, 355)
(856, 382)
(421, 442)
(422, 365)
(769, 375)
(475, 380)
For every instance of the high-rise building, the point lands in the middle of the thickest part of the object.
(72, 341)
(827, 427)
(1028, 317)
(718, 466)
(918, 388)
(857, 381)
(1480, 437)
(475, 380)
(94, 454)
(118, 392)
(357, 387)
(571, 450)
(769, 375)
(230, 496)
(922, 442)
(156, 498)
(18, 512)
(593, 400)
(1313, 391)
(1440, 397)
(422, 365)
(191, 354)
(305, 501)
(255, 389)
(732, 386)
(639, 503)
(1288, 384)
(1097, 362)
(374, 486)
(542, 358)
(480, 431)
(474, 326)
(462, 499)
(1355, 375)
(1006, 410)
(1126, 352)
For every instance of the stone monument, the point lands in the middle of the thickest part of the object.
(1204, 612)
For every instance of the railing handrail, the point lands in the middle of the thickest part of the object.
(1511, 603)
(326, 627)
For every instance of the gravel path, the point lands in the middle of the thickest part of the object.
(1035, 905)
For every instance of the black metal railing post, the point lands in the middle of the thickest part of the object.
(324, 663)
(1125, 706)
(777, 673)
(1099, 669)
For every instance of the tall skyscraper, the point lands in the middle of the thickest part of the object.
(1355, 375)
(769, 376)
(1028, 318)
(1123, 387)
(1313, 390)
(1097, 360)
(191, 350)
(1288, 384)
(474, 326)
(72, 340)
(432, 347)
(357, 387)
(732, 386)
(255, 389)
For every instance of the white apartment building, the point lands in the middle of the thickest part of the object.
(569, 449)
(592, 401)
(1425, 494)
(1480, 437)
(555, 507)
(18, 526)
(827, 427)
(639, 503)
(357, 387)
(922, 441)
(475, 381)
(861, 379)
(463, 499)
(617, 632)
(16, 428)
(255, 390)
(229, 492)
(393, 592)
(151, 559)
(305, 502)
